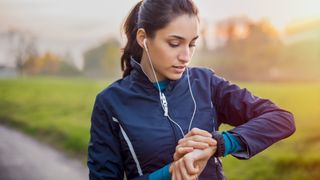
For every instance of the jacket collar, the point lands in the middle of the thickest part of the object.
(140, 77)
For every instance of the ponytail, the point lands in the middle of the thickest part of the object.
(132, 47)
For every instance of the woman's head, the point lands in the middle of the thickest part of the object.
(170, 27)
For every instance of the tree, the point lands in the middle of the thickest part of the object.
(104, 60)
(248, 50)
(23, 45)
(46, 64)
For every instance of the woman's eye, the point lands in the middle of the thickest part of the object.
(192, 44)
(174, 44)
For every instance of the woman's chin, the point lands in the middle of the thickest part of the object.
(175, 77)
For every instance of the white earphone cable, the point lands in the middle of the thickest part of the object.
(163, 100)
(194, 101)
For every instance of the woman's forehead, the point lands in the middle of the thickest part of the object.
(184, 26)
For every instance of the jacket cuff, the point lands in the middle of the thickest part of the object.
(162, 173)
(220, 144)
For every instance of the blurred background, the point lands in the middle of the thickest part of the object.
(55, 56)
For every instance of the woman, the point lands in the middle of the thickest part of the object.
(161, 120)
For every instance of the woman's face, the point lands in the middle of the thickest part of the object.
(172, 48)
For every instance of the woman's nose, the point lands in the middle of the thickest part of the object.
(185, 55)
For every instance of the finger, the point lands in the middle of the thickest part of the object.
(178, 172)
(194, 144)
(197, 167)
(194, 177)
(189, 164)
(197, 131)
(183, 170)
(181, 151)
(171, 168)
(173, 176)
(199, 138)
(173, 171)
(210, 151)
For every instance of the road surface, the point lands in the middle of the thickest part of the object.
(23, 158)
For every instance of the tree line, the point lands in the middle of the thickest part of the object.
(245, 50)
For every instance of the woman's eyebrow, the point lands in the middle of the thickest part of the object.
(182, 38)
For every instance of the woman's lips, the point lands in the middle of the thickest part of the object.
(179, 69)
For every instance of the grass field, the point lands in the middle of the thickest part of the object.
(58, 111)
(53, 109)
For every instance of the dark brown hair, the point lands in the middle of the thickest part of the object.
(151, 15)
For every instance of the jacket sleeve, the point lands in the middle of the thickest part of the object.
(104, 155)
(104, 150)
(258, 122)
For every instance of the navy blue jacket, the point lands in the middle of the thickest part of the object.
(131, 135)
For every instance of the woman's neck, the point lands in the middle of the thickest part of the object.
(147, 69)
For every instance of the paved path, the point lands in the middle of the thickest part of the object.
(23, 158)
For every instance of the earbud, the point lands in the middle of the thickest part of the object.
(145, 44)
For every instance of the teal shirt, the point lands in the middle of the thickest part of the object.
(232, 143)
(163, 85)
(161, 174)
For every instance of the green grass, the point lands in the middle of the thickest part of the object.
(53, 109)
(58, 111)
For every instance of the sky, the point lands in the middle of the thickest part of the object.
(73, 26)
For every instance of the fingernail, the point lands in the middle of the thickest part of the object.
(212, 143)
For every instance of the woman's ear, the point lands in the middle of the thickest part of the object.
(141, 36)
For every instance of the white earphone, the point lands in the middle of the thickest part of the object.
(162, 97)
(145, 44)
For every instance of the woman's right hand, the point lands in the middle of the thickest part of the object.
(195, 139)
